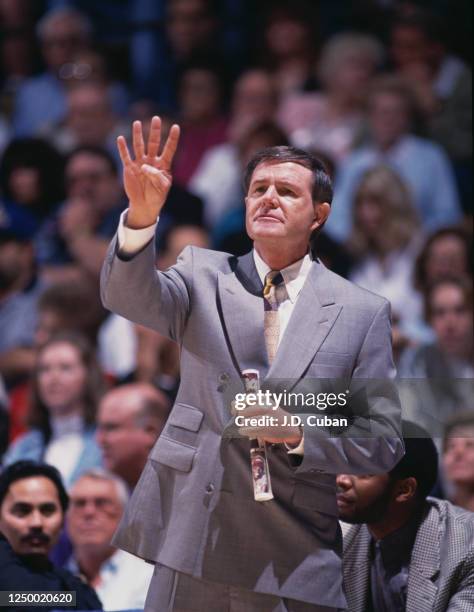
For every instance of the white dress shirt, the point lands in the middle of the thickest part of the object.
(66, 444)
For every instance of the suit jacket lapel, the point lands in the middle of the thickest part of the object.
(313, 316)
(356, 564)
(425, 565)
(240, 293)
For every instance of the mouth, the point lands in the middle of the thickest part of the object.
(343, 501)
(268, 218)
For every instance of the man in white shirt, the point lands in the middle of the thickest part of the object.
(97, 500)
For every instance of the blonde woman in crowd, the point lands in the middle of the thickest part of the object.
(385, 240)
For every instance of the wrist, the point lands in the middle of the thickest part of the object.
(136, 221)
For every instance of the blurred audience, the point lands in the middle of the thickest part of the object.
(90, 120)
(384, 241)
(40, 101)
(74, 239)
(421, 163)
(67, 386)
(97, 502)
(33, 502)
(203, 124)
(458, 460)
(440, 81)
(405, 551)
(448, 309)
(20, 288)
(446, 253)
(439, 376)
(129, 421)
(217, 179)
(31, 181)
(334, 120)
(290, 46)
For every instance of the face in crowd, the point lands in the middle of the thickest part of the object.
(31, 516)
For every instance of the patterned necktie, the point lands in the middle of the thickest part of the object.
(271, 318)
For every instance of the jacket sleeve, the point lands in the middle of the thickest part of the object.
(133, 288)
(372, 442)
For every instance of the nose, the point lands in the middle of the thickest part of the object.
(344, 481)
(36, 520)
(270, 196)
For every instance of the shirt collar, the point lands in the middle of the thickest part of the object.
(294, 275)
(396, 547)
(61, 426)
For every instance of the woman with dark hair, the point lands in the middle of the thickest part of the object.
(31, 180)
(67, 385)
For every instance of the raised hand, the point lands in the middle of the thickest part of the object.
(147, 178)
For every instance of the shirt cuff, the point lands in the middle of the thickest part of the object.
(131, 241)
(296, 450)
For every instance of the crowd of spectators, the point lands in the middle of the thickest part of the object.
(381, 92)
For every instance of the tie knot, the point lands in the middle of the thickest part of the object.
(272, 280)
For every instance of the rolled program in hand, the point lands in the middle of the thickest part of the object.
(262, 485)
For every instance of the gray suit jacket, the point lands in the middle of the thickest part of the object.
(441, 576)
(193, 508)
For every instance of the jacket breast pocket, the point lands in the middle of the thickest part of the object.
(330, 365)
(177, 444)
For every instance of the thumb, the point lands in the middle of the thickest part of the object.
(155, 175)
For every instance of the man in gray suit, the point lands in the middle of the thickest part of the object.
(193, 513)
(405, 551)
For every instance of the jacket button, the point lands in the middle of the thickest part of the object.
(210, 488)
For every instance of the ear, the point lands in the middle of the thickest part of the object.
(321, 213)
(406, 489)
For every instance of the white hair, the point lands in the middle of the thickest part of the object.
(46, 23)
(342, 45)
(102, 474)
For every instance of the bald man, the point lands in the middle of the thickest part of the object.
(129, 421)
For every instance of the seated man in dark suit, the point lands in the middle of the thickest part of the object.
(32, 506)
(406, 551)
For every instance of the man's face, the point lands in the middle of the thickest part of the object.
(389, 118)
(446, 256)
(458, 456)
(31, 516)
(409, 46)
(279, 204)
(89, 176)
(94, 513)
(125, 442)
(451, 320)
(363, 499)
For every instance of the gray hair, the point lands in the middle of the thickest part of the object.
(102, 474)
(82, 23)
(342, 45)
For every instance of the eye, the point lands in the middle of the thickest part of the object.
(286, 191)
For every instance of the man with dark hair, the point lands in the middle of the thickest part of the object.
(405, 551)
(33, 502)
(193, 511)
